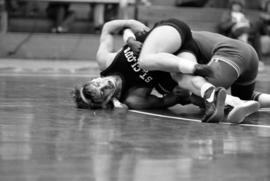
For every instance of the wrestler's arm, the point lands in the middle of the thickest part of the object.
(105, 53)
(130, 39)
(141, 98)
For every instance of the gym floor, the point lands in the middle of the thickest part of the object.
(44, 137)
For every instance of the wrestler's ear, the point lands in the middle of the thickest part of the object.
(75, 94)
(108, 102)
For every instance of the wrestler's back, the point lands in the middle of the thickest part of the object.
(210, 43)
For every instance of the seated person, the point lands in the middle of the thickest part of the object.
(61, 16)
(236, 25)
(265, 27)
(265, 18)
(234, 22)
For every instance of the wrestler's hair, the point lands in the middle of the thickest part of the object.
(141, 36)
(84, 98)
(240, 2)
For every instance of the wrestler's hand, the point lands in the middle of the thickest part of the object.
(137, 26)
(118, 104)
(203, 70)
(136, 46)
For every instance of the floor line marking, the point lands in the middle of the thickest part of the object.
(264, 110)
(164, 116)
(195, 120)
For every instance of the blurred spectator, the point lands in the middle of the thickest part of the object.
(61, 15)
(97, 15)
(113, 11)
(265, 27)
(265, 18)
(3, 17)
(123, 7)
(234, 22)
(22, 8)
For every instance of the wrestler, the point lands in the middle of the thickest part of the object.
(124, 68)
(233, 63)
(136, 90)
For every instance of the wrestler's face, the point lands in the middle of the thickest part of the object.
(236, 7)
(102, 89)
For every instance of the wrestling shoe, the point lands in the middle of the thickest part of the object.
(238, 113)
(203, 70)
(214, 105)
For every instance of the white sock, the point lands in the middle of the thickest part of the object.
(204, 88)
(233, 101)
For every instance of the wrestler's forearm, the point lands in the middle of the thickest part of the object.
(152, 102)
(167, 62)
(116, 25)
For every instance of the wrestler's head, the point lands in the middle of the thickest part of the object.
(237, 5)
(96, 93)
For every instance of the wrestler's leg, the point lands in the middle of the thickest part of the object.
(213, 98)
(158, 48)
(262, 98)
(238, 109)
(196, 84)
(247, 92)
(225, 75)
(199, 86)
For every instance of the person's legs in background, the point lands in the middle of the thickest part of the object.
(255, 40)
(61, 16)
(123, 11)
(65, 18)
(98, 16)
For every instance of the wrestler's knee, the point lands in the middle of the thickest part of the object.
(220, 81)
(223, 75)
(146, 61)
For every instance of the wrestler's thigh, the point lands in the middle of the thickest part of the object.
(163, 38)
(224, 75)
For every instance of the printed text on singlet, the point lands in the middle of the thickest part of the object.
(143, 74)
